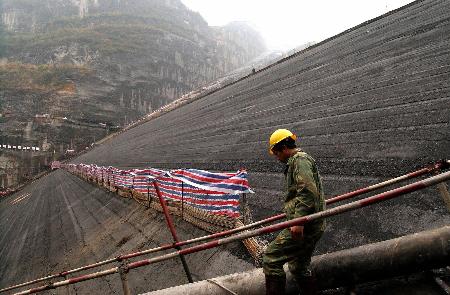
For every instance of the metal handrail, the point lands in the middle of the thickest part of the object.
(426, 170)
(172, 230)
(256, 232)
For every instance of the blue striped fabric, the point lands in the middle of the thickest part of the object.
(217, 193)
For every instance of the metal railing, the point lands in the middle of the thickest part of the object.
(123, 269)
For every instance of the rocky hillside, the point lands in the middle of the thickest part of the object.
(74, 70)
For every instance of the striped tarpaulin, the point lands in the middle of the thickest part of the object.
(213, 201)
(217, 193)
(230, 183)
(123, 178)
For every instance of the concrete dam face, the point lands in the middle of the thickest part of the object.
(368, 104)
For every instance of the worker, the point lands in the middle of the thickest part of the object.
(303, 196)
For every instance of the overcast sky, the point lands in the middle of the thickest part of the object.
(285, 24)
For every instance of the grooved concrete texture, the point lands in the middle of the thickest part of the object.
(373, 101)
(63, 223)
(369, 104)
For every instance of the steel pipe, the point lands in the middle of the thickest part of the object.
(70, 281)
(248, 283)
(426, 170)
(445, 194)
(172, 231)
(400, 256)
(405, 255)
(123, 271)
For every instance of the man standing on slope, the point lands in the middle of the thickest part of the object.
(303, 196)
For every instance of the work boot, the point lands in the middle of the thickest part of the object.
(275, 285)
(307, 285)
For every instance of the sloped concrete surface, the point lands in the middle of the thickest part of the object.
(373, 101)
(66, 223)
(369, 104)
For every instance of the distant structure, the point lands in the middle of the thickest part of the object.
(56, 165)
(69, 152)
(20, 148)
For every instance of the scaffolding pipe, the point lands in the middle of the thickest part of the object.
(70, 281)
(401, 256)
(346, 196)
(172, 231)
(429, 169)
(445, 194)
(301, 220)
(436, 167)
(123, 272)
(265, 230)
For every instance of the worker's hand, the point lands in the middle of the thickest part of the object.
(297, 232)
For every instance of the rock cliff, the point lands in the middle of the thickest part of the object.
(96, 65)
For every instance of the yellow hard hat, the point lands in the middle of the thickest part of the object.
(278, 136)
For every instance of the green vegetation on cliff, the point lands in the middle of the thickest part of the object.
(41, 78)
(111, 33)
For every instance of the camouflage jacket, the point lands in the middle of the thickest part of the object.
(303, 191)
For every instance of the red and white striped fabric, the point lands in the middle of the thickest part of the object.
(217, 193)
